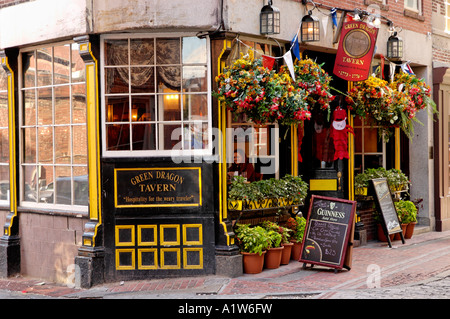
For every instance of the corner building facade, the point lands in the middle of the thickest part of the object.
(114, 152)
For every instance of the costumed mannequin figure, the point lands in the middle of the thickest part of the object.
(339, 133)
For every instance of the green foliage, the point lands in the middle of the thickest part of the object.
(252, 239)
(406, 211)
(289, 187)
(283, 231)
(297, 225)
(242, 190)
(395, 177)
(274, 238)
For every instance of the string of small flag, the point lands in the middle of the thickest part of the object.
(268, 61)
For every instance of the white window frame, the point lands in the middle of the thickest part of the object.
(70, 209)
(154, 153)
(363, 127)
(5, 202)
(417, 8)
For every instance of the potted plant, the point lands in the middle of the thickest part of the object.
(296, 189)
(285, 236)
(253, 243)
(247, 193)
(272, 259)
(297, 225)
(396, 179)
(380, 232)
(407, 213)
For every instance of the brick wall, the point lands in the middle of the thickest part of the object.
(49, 244)
(441, 49)
(394, 11)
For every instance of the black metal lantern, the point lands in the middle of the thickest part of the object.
(394, 47)
(310, 30)
(269, 20)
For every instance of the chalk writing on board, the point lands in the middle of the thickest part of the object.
(327, 234)
(325, 241)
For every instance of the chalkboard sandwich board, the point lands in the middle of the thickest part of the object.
(385, 206)
(327, 233)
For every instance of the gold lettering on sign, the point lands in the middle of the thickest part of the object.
(159, 175)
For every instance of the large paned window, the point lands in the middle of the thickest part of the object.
(4, 139)
(53, 132)
(155, 95)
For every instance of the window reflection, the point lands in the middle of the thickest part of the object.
(194, 50)
(45, 107)
(29, 69)
(29, 107)
(62, 104)
(54, 136)
(61, 65)
(44, 67)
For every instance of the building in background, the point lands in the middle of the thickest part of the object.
(113, 154)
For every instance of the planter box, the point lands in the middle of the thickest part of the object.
(265, 203)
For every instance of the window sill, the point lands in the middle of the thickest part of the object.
(413, 14)
(380, 4)
(53, 212)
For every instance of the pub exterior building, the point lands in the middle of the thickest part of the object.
(114, 151)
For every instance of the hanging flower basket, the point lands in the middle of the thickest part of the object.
(311, 77)
(262, 94)
(391, 105)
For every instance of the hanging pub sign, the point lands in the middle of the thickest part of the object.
(328, 232)
(157, 187)
(355, 52)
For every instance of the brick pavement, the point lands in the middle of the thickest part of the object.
(421, 257)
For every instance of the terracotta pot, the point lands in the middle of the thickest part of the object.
(397, 235)
(296, 250)
(286, 255)
(272, 259)
(253, 262)
(410, 230)
(381, 236)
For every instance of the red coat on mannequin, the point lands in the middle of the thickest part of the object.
(339, 133)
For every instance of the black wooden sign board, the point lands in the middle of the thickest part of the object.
(385, 205)
(327, 234)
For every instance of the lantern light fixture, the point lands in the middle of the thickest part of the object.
(394, 47)
(269, 19)
(310, 29)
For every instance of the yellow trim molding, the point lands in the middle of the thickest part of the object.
(12, 216)
(93, 122)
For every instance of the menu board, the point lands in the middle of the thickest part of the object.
(386, 208)
(327, 234)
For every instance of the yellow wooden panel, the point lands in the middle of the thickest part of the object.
(323, 185)
(187, 251)
(130, 252)
(153, 251)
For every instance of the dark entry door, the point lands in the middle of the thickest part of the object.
(326, 175)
